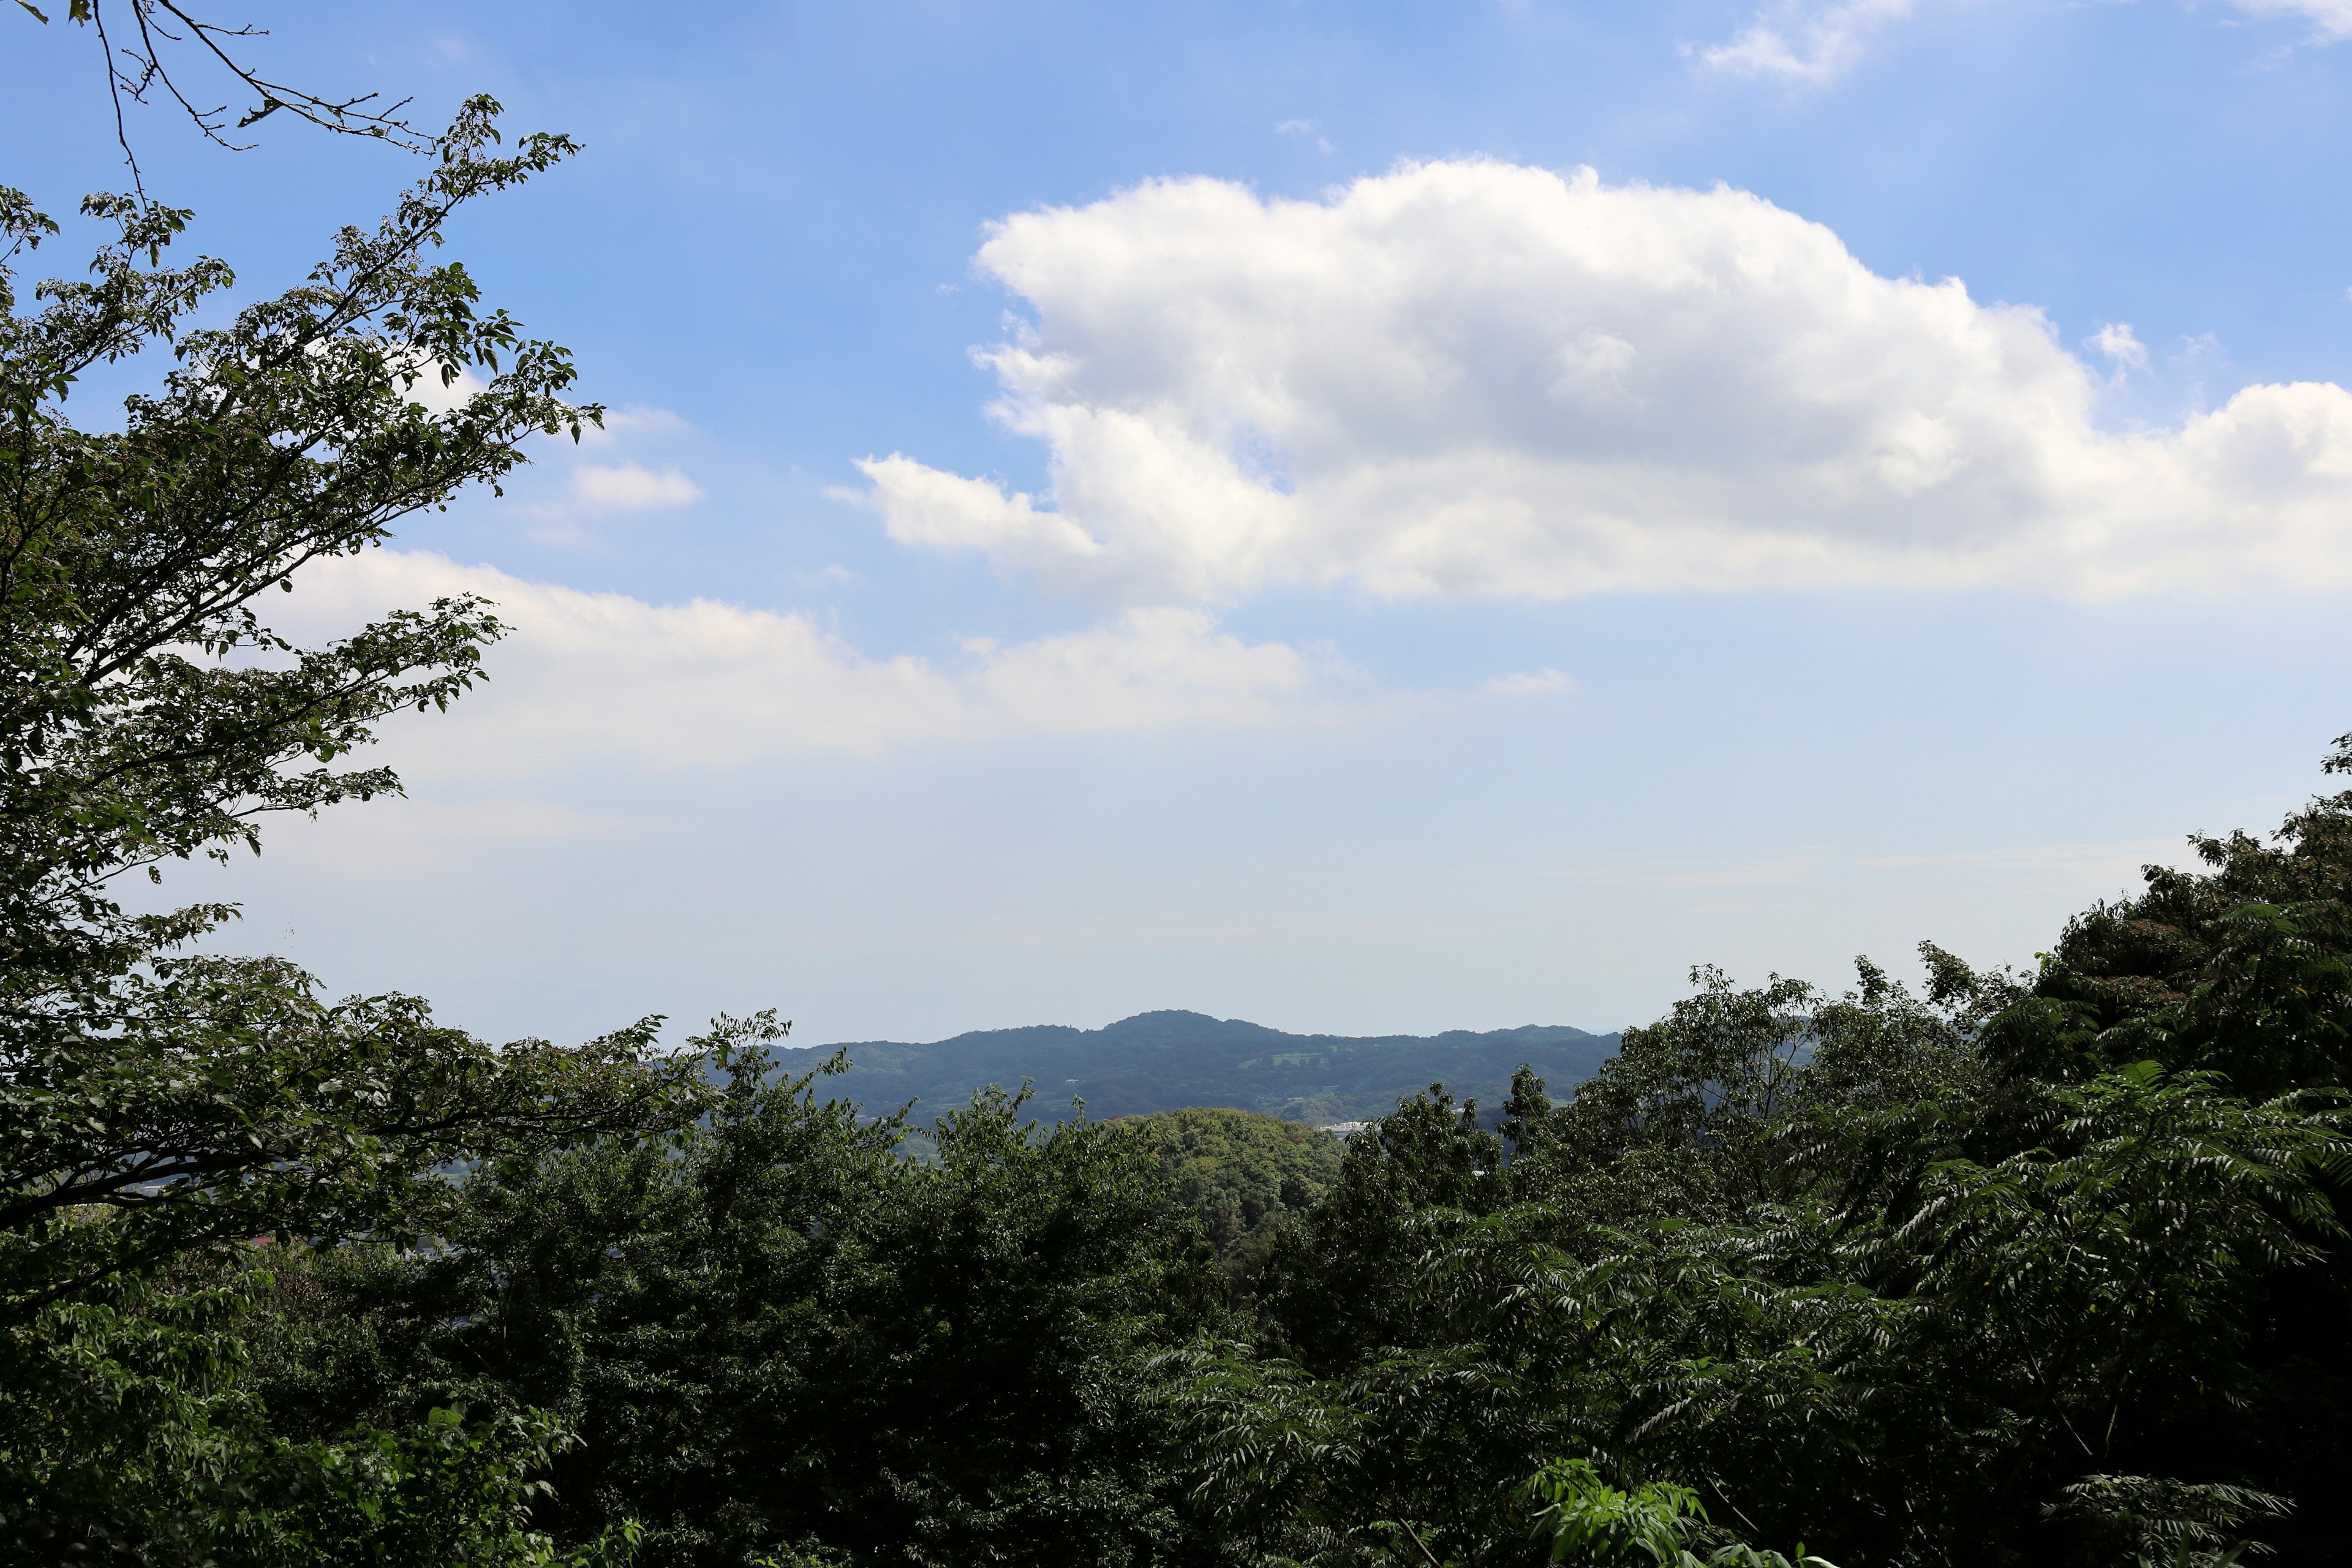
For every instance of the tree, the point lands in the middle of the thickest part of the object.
(1680, 1122)
(157, 1107)
(2046, 1270)
(1250, 1177)
(777, 1336)
(2242, 970)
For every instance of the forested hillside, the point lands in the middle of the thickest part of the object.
(1163, 1061)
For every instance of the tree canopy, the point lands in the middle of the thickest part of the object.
(159, 1105)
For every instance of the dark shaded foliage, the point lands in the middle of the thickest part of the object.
(1250, 1178)
(774, 1334)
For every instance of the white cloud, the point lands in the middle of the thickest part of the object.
(434, 395)
(2331, 20)
(633, 419)
(1149, 667)
(1808, 44)
(632, 486)
(1476, 378)
(1813, 42)
(587, 676)
(2118, 341)
(924, 506)
(1527, 683)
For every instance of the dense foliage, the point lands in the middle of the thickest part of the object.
(774, 1335)
(1871, 1272)
(1250, 1178)
(161, 1110)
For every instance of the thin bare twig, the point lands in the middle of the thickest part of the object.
(135, 70)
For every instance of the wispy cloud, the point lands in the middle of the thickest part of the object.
(632, 486)
(1305, 128)
(2120, 344)
(632, 420)
(1527, 683)
(1811, 42)
(2331, 20)
(1808, 43)
(590, 675)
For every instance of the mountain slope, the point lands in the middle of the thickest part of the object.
(1161, 1061)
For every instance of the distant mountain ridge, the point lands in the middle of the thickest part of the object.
(1172, 1059)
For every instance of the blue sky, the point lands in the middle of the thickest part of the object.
(1113, 507)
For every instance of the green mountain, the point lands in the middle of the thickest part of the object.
(1163, 1062)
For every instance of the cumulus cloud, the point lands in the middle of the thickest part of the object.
(1806, 44)
(923, 505)
(1474, 378)
(587, 677)
(632, 486)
